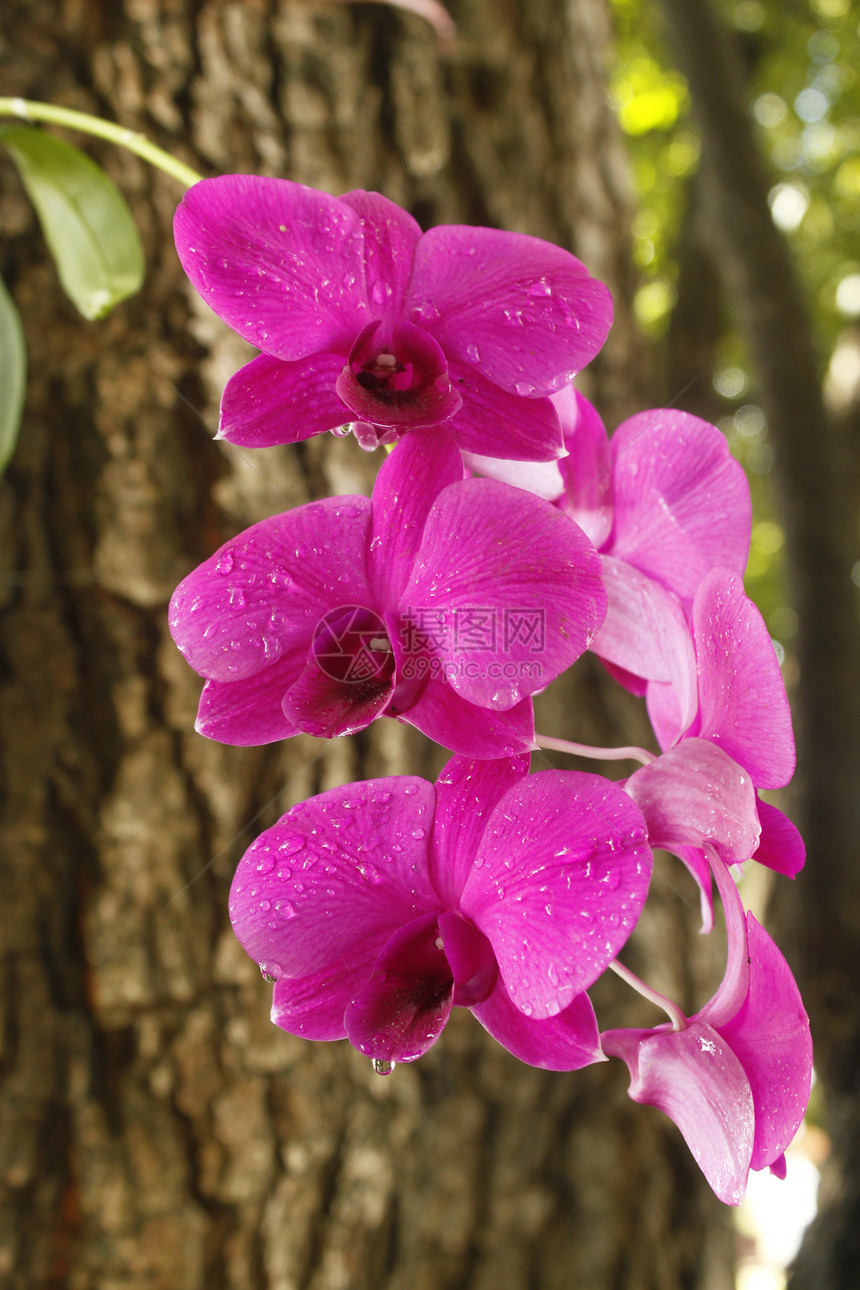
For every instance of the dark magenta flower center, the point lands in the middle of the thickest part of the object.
(351, 644)
(398, 382)
(432, 963)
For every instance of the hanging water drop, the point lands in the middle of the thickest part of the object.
(381, 1066)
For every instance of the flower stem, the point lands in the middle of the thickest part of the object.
(27, 110)
(596, 754)
(672, 1011)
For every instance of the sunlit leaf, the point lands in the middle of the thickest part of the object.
(86, 221)
(13, 374)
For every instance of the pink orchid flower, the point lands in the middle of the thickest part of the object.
(379, 906)
(736, 1078)
(366, 322)
(664, 502)
(725, 726)
(441, 601)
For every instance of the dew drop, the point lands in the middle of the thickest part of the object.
(225, 563)
(381, 1066)
(290, 846)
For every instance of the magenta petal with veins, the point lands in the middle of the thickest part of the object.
(362, 319)
(395, 900)
(324, 618)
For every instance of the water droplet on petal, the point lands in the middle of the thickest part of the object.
(381, 1066)
(225, 563)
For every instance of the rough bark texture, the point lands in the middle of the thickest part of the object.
(816, 468)
(157, 1130)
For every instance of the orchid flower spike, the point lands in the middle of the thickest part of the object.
(379, 906)
(366, 323)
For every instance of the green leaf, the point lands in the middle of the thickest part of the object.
(13, 375)
(86, 221)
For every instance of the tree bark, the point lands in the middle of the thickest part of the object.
(157, 1130)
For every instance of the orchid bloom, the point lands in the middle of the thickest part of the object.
(735, 695)
(365, 322)
(664, 502)
(379, 906)
(736, 1078)
(726, 727)
(441, 601)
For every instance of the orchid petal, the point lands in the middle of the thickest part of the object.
(668, 710)
(263, 591)
(269, 402)
(645, 632)
(781, 847)
(697, 864)
(735, 985)
(519, 584)
(695, 794)
(587, 470)
(313, 1006)
(527, 313)
(542, 478)
(281, 264)
(470, 955)
(742, 700)
(246, 713)
(321, 705)
(442, 715)
(770, 1036)
(633, 684)
(693, 1076)
(336, 876)
(467, 792)
(566, 1042)
(411, 478)
(390, 238)
(682, 503)
(559, 880)
(499, 424)
(401, 1011)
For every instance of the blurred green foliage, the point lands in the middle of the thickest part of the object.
(803, 64)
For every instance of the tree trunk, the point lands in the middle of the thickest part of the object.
(157, 1130)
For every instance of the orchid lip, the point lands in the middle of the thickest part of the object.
(397, 382)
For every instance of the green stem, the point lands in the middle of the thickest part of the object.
(26, 110)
